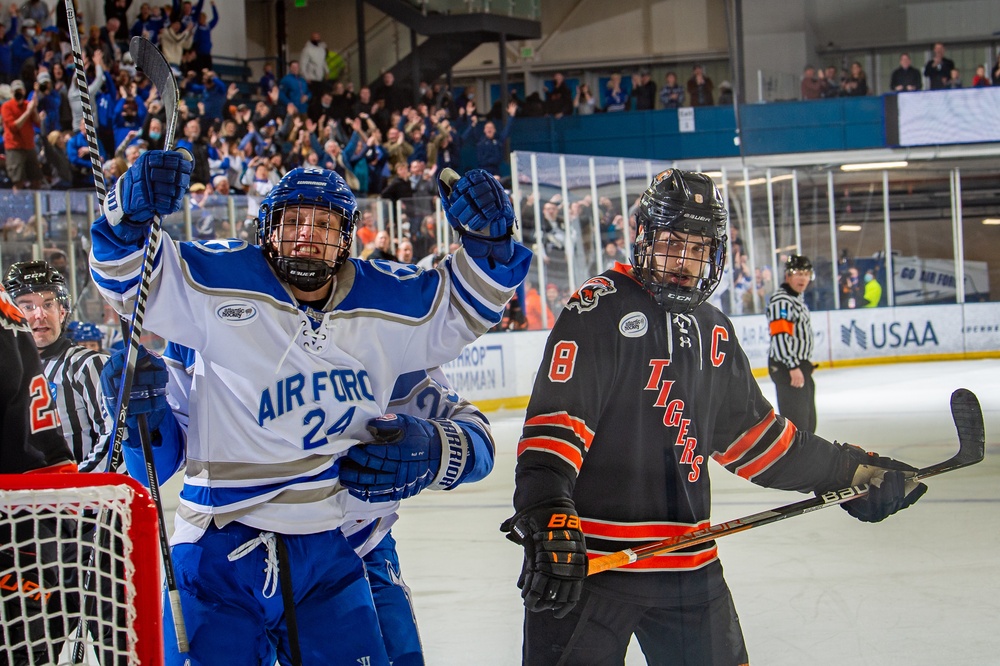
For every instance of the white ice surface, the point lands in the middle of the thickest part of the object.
(921, 588)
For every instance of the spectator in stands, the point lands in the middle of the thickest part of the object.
(559, 100)
(938, 68)
(130, 115)
(832, 82)
(404, 251)
(996, 71)
(144, 25)
(584, 103)
(873, 290)
(199, 148)
(294, 89)
(202, 42)
(383, 247)
(672, 93)
(35, 11)
(26, 51)
(615, 97)
(20, 119)
(174, 39)
(267, 81)
(393, 97)
(399, 185)
(445, 144)
(490, 147)
(955, 80)
(6, 37)
(906, 77)
(313, 63)
(645, 92)
(811, 87)
(397, 148)
(113, 40)
(78, 154)
(725, 94)
(856, 85)
(700, 88)
(188, 12)
(980, 80)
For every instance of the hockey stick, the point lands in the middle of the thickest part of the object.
(968, 417)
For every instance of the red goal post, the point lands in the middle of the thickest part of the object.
(46, 562)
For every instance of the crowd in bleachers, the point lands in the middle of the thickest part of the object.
(939, 72)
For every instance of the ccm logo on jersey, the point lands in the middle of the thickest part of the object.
(587, 296)
(633, 325)
(236, 313)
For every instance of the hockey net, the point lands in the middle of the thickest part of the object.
(53, 576)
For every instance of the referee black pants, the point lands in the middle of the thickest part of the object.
(798, 405)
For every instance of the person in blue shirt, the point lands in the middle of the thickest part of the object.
(294, 89)
(6, 37)
(23, 47)
(490, 145)
(203, 38)
(130, 114)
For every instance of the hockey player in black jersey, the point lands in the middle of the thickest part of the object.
(641, 382)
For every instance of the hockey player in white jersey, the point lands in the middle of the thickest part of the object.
(419, 457)
(301, 347)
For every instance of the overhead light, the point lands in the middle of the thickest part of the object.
(849, 227)
(992, 221)
(763, 181)
(872, 166)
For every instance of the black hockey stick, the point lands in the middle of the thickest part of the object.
(968, 417)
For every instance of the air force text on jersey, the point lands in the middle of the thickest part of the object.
(291, 393)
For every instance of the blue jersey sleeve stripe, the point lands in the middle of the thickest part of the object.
(488, 315)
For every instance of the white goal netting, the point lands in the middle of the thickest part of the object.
(79, 571)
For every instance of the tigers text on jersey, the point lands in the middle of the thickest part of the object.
(75, 376)
(628, 405)
(791, 341)
(281, 391)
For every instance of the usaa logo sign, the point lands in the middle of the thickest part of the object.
(894, 335)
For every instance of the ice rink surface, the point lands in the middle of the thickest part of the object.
(922, 587)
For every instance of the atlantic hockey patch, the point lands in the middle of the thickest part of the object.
(237, 313)
(11, 316)
(633, 325)
(587, 295)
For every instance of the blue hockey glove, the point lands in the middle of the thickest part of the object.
(154, 185)
(889, 486)
(555, 556)
(479, 209)
(148, 395)
(404, 459)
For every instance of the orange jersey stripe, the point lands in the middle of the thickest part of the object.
(745, 442)
(564, 420)
(773, 452)
(670, 561)
(557, 447)
(779, 326)
(638, 531)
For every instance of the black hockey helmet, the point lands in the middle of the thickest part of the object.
(683, 203)
(307, 187)
(27, 277)
(798, 262)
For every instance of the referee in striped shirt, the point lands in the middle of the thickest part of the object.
(73, 372)
(791, 347)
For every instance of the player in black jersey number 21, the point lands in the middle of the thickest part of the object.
(641, 381)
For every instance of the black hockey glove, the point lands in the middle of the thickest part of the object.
(555, 556)
(889, 486)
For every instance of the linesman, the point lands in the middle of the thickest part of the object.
(73, 372)
(791, 346)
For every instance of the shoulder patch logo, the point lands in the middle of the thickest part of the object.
(587, 296)
(396, 269)
(633, 325)
(237, 313)
(220, 245)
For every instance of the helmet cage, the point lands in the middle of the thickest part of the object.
(669, 220)
(300, 190)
